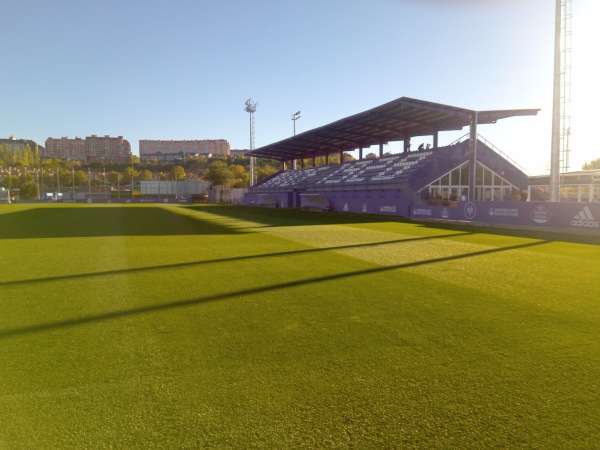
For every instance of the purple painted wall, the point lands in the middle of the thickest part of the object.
(284, 199)
(389, 202)
(385, 201)
(576, 216)
(395, 202)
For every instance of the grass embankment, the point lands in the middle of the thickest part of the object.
(147, 326)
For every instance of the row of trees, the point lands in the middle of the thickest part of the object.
(54, 176)
(594, 164)
(24, 157)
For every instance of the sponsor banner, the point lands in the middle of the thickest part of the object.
(138, 200)
(422, 212)
(388, 202)
(584, 216)
(385, 202)
(576, 216)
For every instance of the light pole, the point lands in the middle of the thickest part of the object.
(251, 108)
(37, 177)
(131, 180)
(295, 117)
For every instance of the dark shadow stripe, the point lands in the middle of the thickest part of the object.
(252, 291)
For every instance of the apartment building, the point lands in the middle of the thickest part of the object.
(161, 150)
(65, 148)
(92, 148)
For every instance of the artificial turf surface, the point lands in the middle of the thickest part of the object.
(159, 326)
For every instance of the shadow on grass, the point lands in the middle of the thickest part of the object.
(244, 292)
(84, 221)
(541, 234)
(286, 217)
(219, 260)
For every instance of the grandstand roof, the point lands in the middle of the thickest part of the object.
(394, 121)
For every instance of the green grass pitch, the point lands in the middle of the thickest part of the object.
(180, 326)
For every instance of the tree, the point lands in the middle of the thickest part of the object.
(241, 178)
(66, 178)
(129, 175)
(218, 173)
(145, 175)
(114, 178)
(10, 181)
(80, 178)
(348, 157)
(594, 164)
(265, 172)
(178, 173)
(29, 190)
(26, 178)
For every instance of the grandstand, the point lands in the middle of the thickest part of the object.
(434, 176)
(467, 180)
(438, 176)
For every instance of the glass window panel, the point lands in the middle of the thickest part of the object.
(478, 193)
(455, 177)
(464, 174)
(498, 194)
(479, 175)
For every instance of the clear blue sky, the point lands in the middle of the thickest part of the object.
(175, 69)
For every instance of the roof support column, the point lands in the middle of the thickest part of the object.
(341, 156)
(314, 161)
(381, 149)
(406, 145)
(302, 163)
(282, 165)
(326, 159)
(435, 139)
(360, 153)
(293, 164)
(472, 155)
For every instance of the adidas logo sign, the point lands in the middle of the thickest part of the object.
(585, 219)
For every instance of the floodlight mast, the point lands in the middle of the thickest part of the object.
(565, 70)
(295, 117)
(251, 108)
(561, 129)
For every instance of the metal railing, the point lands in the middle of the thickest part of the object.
(495, 149)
